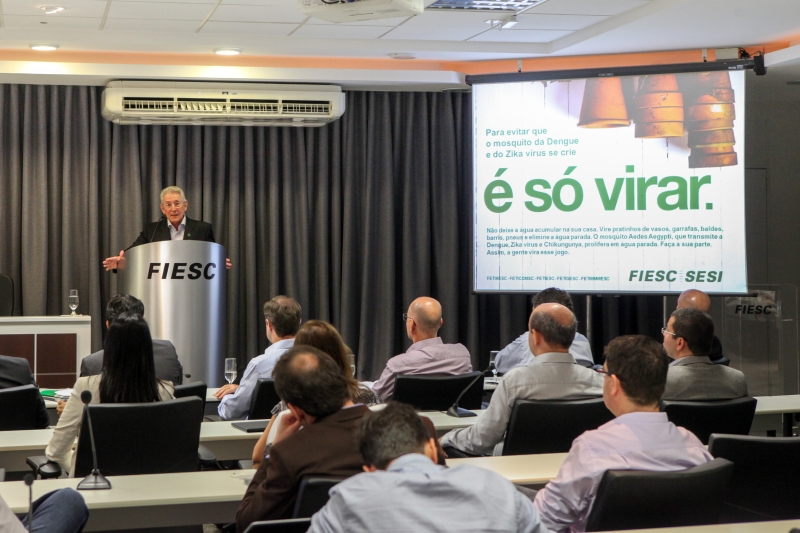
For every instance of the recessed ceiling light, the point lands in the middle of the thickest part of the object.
(52, 10)
(227, 51)
(402, 56)
(42, 47)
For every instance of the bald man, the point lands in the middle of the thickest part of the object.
(428, 354)
(697, 299)
(552, 375)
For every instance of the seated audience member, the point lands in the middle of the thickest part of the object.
(518, 353)
(59, 511)
(403, 489)
(428, 354)
(168, 368)
(324, 337)
(16, 372)
(282, 317)
(552, 375)
(128, 376)
(692, 375)
(697, 299)
(316, 392)
(640, 438)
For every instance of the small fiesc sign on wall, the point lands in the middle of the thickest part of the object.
(763, 307)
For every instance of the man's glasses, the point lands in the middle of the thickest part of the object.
(176, 204)
(406, 317)
(665, 331)
(606, 373)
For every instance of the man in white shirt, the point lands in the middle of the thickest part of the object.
(282, 316)
(517, 353)
(640, 438)
(403, 489)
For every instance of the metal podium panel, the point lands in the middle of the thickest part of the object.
(182, 286)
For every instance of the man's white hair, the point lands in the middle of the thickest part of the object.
(172, 189)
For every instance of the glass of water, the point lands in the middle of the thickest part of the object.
(230, 369)
(352, 358)
(73, 300)
(492, 364)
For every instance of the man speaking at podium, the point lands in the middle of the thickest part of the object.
(176, 227)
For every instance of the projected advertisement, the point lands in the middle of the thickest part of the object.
(617, 184)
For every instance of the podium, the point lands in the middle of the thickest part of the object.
(182, 285)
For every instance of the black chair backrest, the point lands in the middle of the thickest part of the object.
(766, 476)
(732, 417)
(550, 426)
(313, 494)
(187, 390)
(6, 295)
(263, 400)
(437, 393)
(633, 499)
(294, 525)
(19, 407)
(142, 438)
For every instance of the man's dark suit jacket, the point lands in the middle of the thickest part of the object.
(15, 372)
(328, 447)
(196, 230)
(168, 368)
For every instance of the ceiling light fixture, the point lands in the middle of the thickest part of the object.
(402, 56)
(43, 47)
(51, 10)
(227, 51)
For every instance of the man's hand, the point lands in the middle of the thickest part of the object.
(228, 263)
(225, 390)
(60, 405)
(289, 425)
(111, 262)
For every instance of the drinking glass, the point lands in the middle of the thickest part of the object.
(73, 300)
(230, 369)
(352, 358)
(492, 364)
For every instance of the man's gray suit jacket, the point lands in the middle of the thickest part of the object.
(697, 378)
(168, 368)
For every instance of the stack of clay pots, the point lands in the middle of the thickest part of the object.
(710, 113)
(658, 107)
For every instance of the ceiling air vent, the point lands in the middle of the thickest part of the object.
(306, 107)
(255, 107)
(202, 105)
(143, 105)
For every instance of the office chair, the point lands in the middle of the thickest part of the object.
(264, 400)
(437, 393)
(634, 499)
(6, 295)
(299, 525)
(732, 417)
(188, 390)
(550, 426)
(766, 477)
(136, 438)
(313, 494)
(20, 407)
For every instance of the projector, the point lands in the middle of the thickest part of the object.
(341, 11)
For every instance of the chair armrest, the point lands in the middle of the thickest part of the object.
(455, 453)
(43, 467)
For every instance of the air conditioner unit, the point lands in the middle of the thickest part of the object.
(232, 104)
(355, 10)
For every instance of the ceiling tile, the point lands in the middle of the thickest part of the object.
(556, 22)
(85, 8)
(520, 36)
(169, 1)
(341, 31)
(287, 3)
(425, 34)
(582, 7)
(146, 25)
(54, 23)
(158, 11)
(380, 22)
(238, 13)
(259, 28)
(438, 20)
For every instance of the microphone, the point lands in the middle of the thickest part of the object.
(28, 479)
(457, 411)
(163, 216)
(95, 480)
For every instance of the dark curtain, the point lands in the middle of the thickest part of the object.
(354, 219)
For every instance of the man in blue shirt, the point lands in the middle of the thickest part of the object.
(403, 489)
(282, 315)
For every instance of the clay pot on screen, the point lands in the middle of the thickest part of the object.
(658, 107)
(710, 113)
(603, 104)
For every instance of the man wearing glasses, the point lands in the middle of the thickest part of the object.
(176, 227)
(640, 438)
(428, 354)
(688, 338)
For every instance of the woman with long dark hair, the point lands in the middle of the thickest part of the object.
(128, 376)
